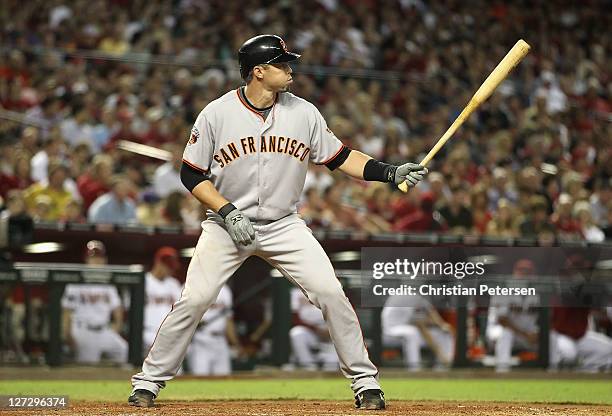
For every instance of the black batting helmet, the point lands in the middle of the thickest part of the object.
(263, 49)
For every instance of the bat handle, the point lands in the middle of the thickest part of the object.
(426, 159)
(404, 186)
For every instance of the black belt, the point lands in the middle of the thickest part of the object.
(261, 222)
(216, 334)
(93, 327)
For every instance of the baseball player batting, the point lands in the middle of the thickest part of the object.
(246, 161)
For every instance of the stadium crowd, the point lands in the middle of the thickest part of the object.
(78, 77)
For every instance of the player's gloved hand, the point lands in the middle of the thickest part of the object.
(411, 173)
(239, 227)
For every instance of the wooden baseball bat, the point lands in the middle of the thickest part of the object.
(501, 71)
(145, 150)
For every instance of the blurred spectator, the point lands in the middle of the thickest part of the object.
(14, 204)
(599, 200)
(172, 208)
(148, 211)
(504, 222)
(51, 152)
(479, 206)
(167, 178)
(563, 220)
(19, 177)
(96, 181)
(551, 190)
(124, 99)
(536, 223)
(422, 220)
(455, 214)
(501, 188)
(113, 43)
(158, 130)
(318, 177)
(124, 130)
(574, 186)
(192, 213)
(584, 218)
(104, 129)
(529, 184)
(49, 114)
(50, 200)
(535, 114)
(312, 210)
(78, 129)
(340, 214)
(551, 92)
(87, 309)
(78, 160)
(73, 213)
(378, 202)
(439, 189)
(28, 142)
(114, 207)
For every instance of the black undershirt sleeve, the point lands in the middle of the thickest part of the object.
(339, 159)
(192, 177)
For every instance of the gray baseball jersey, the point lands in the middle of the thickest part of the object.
(260, 165)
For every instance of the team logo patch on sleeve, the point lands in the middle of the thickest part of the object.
(195, 135)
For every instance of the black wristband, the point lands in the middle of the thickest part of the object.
(226, 209)
(379, 171)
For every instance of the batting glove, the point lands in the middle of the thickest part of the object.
(411, 173)
(239, 227)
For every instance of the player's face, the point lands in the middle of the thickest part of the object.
(278, 77)
(165, 270)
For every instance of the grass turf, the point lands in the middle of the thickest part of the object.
(532, 391)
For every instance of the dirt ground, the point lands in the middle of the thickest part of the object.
(322, 408)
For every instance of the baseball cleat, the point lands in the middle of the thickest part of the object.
(370, 400)
(141, 398)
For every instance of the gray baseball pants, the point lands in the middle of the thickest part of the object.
(289, 246)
